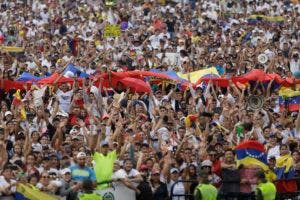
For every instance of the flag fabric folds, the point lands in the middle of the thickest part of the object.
(284, 167)
(12, 49)
(196, 75)
(17, 101)
(136, 85)
(285, 173)
(252, 152)
(289, 99)
(25, 76)
(190, 119)
(71, 71)
(288, 92)
(171, 74)
(32, 193)
(254, 19)
(182, 80)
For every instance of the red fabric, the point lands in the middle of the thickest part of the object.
(293, 107)
(79, 103)
(158, 24)
(254, 75)
(75, 46)
(251, 144)
(54, 77)
(216, 167)
(136, 85)
(193, 117)
(16, 101)
(286, 186)
(8, 84)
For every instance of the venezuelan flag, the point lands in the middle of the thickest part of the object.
(289, 99)
(285, 173)
(203, 73)
(284, 167)
(12, 49)
(252, 152)
(254, 19)
(32, 193)
(190, 119)
(171, 74)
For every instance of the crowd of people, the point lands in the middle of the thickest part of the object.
(78, 139)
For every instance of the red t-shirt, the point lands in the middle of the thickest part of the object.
(216, 167)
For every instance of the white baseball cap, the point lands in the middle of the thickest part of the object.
(64, 171)
(8, 113)
(80, 155)
(206, 163)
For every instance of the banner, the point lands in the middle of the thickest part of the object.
(112, 30)
(12, 49)
(119, 191)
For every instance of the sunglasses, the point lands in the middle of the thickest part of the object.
(45, 176)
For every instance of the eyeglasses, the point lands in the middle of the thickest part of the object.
(45, 176)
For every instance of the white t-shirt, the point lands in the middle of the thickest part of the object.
(178, 189)
(5, 184)
(38, 96)
(121, 173)
(274, 151)
(294, 66)
(154, 41)
(64, 99)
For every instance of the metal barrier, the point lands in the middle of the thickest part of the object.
(235, 195)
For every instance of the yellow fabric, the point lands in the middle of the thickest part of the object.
(196, 75)
(195, 39)
(187, 122)
(268, 18)
(162, 2)
(288, 92)
(33, 193)
(270, 175)
(112, 30)
(11, 49)
(17, 95)
(252, 161)
(285, 161)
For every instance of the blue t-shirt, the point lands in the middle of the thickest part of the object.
(81, 174)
